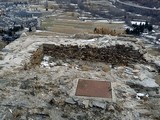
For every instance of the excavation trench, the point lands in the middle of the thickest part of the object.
(115, 55)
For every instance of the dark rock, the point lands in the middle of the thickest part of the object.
(57, 102)
(52, 102)
(72, 119)
(64, 115)
(82, 116)
(27, 84)
(70, 101)
(39, 113)
(32, 93)
(99, 104)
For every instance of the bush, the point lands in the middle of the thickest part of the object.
(105, 31)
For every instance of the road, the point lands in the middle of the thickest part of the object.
(138, 6)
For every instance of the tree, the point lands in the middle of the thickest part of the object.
(10, 33)
(30, 29)
(134, 25)
(150, 28)
(128, 31)
(146, 24)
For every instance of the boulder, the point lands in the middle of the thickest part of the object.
(70, 101)
(99, 104)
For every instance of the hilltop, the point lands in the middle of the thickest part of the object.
(74, 61)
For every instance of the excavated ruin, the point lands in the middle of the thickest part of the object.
(115, 55)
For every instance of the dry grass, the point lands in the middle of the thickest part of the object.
(85, 68)
(106, 68)
(68, 23)
(157, 78)
(109, 28)
(154, 51)
(2, 45)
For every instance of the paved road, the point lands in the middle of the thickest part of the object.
(138, 6)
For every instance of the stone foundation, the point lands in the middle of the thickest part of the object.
(116, 55)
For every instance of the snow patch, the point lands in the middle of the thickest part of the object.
(137, 22)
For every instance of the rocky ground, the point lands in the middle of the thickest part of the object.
(32, 88)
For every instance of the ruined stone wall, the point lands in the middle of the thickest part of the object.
(36, 57)
(118, 55)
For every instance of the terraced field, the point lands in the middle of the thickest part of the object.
(77, 26)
